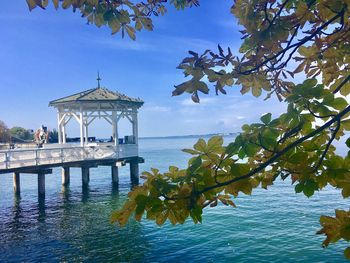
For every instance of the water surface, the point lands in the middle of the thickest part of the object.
(73, 225)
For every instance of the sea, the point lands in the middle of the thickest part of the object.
(73, 225)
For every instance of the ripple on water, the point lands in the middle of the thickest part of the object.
(73, 225)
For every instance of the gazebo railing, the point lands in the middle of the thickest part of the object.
(16, 158)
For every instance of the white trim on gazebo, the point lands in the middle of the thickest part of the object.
(99, 103)
(85, 116)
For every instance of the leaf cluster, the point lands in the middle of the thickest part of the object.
(119, 15)
(282, 42)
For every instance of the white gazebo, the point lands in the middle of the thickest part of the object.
(86, 106)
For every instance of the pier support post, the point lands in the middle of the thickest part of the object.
(41, 183)
(16, 183)
(115, 174)
(65, 176)
(134, 172)
(85, 176)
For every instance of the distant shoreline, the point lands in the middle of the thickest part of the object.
(190, 136)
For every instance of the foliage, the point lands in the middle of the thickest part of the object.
(53, 136)
(4, 132)
(21, 133)
(118, 15)
(283, 41)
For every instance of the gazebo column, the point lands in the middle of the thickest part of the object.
(81, 122)
(135, 127)
(86, 131)
(115, 128)
(63, 129)
(59, 126)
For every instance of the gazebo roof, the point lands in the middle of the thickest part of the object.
(97, 95)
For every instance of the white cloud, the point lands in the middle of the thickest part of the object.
(203, 101)
(125, 44)
(166, 44)
(156, 108)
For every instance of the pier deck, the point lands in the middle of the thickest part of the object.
(40, 161)
(53, 155)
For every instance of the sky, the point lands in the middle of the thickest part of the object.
(49, 54)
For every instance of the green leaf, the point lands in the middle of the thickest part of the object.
(202, 86)
(298, 157)
(215, 141)
(190, 151)
(196, 163)
(310, 187)
(232, 148)
(266, 118)
(309, 83)
(347, 253)
(348, 142)
(299, 188)
(245, 127)
(239, 169)
(115, 25)
(250, 149)
(339, 103)
(196, 214)
(346, 192)
(346, 124)
(200, 145)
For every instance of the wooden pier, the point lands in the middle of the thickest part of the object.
(41, 161)
(84, 107)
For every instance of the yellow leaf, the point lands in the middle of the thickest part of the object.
(55, 3)
(31, 4)
(131, 32)
(256, 91)
(200, 145)
(347, 253)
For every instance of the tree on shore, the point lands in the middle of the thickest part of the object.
(53, 136)
(4, 133)
(282, 41)
(22, 133)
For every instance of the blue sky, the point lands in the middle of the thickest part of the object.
(49, 54)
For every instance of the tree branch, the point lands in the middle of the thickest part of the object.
(334, 133)
(342, 84)
(261, 167)
(295, 46)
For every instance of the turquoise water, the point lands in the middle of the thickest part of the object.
(73, 225)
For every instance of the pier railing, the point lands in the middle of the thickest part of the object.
(15, 158)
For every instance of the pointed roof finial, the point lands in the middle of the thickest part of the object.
(98, 79)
